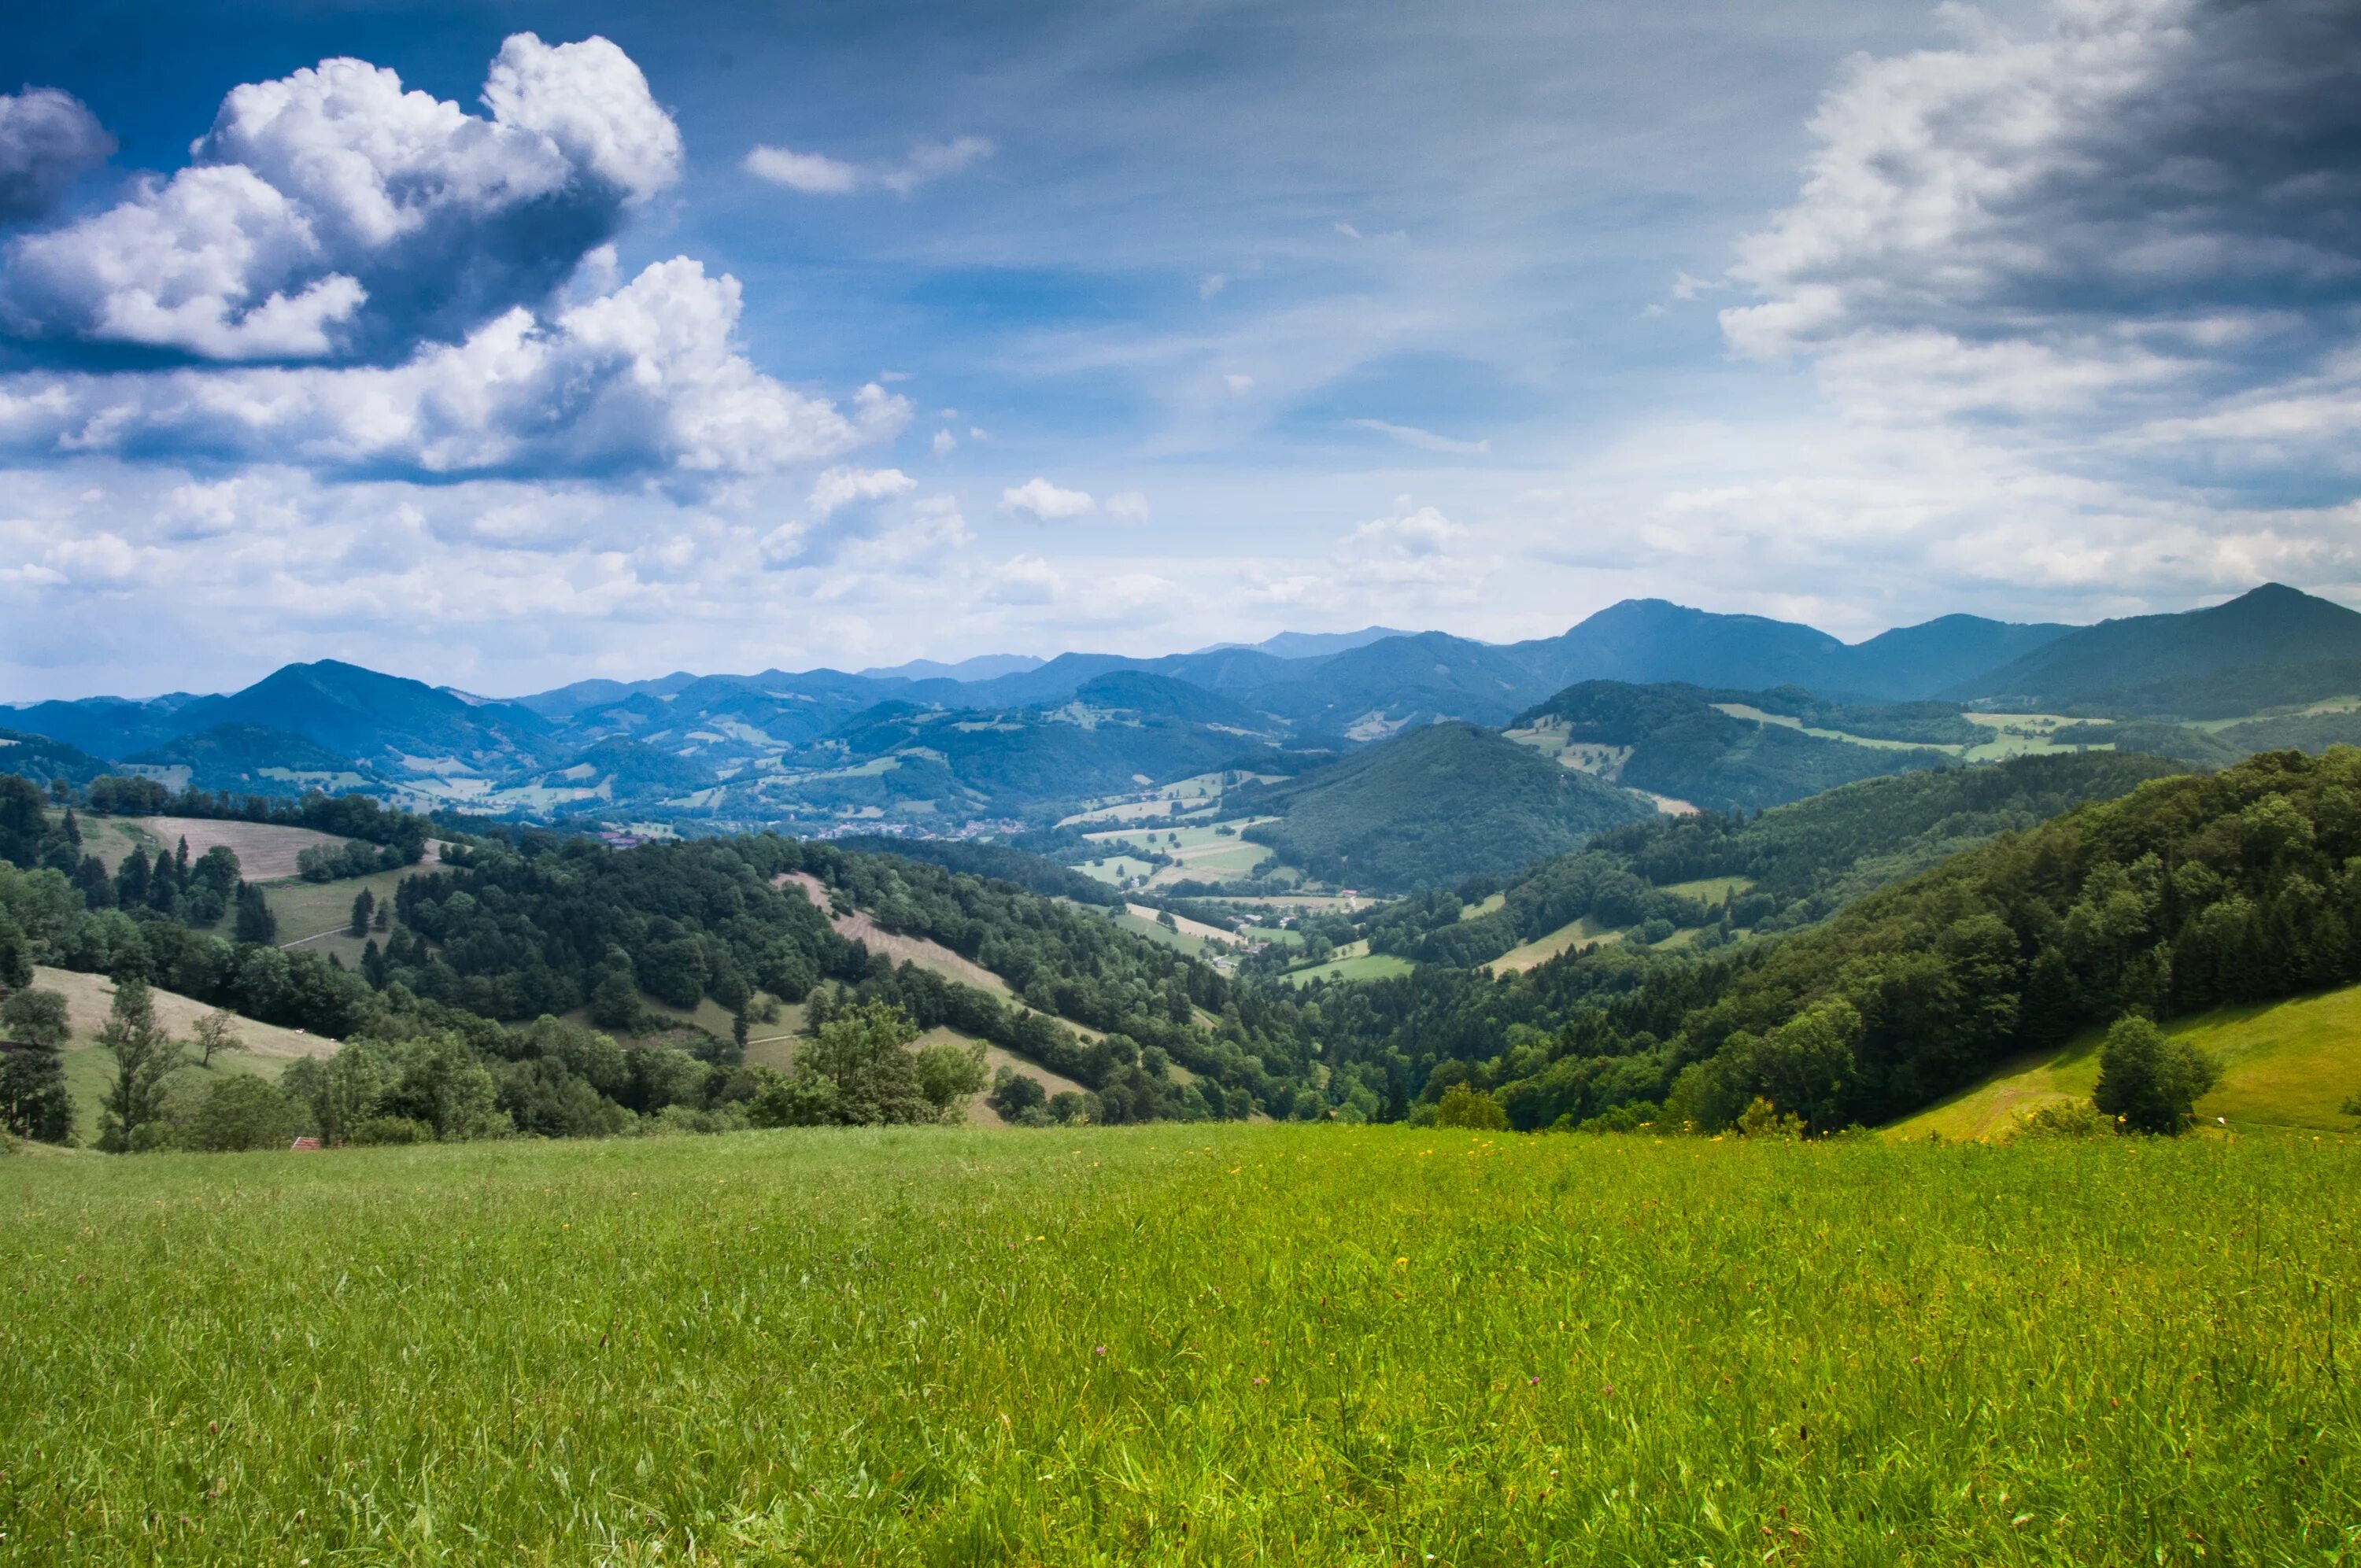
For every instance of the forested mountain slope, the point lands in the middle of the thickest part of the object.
(2187, 893)
(1433, 806)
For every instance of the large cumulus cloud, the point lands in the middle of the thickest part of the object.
(331, 215)
(47, 139)
(373, 283)
(646, 379)
(2132, 241)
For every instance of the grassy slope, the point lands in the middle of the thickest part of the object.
(1541, 949)
(88, 1070)
(1357, 966)
(1185, 1344)
(2287, 1064)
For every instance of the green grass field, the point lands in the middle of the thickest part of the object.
(1285, 1345)
(1353, 966)
(2284, 1064)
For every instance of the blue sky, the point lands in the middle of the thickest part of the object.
(615, 339)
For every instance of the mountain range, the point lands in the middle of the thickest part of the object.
(927, 747)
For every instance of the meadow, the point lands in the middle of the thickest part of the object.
(1185, 1345)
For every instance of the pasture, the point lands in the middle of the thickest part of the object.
(1201, 1344)
(2292, 1065)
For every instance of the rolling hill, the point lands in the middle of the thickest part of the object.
(2294, 1064)
(1675, 740)
(1433, 806)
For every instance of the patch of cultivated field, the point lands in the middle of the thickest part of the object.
(1351, 965)
(2284, 1064)
(1197, 1345)
(1116, 871)
(1711, 889)
(1541, 949)
(1191, 937)
(1197, 794)
(1876, 743)
(2022, 735)
(265, 850)
(1203, 854)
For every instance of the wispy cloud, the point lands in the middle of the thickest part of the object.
(817, 174)
(1425, 440)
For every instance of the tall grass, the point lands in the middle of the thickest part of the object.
(1183, 1344)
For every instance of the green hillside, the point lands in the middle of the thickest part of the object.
(1777, 870)
(1433, 806)
(1675, 740)
(2284, 1064)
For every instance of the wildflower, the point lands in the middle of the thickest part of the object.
(1100, 1351)
(1609, 1391)
(1260, 1381)
(1531, 1382)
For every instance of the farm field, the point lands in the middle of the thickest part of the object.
(1199, 853)
(2021, 735)
(2284, 1064)
(1226, 1344)
(1191, 937)
(1541, 949)
(1353, 966)
(265, 851)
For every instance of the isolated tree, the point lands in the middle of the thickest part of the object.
(256, 923)
(948, 1074)
(615, 1001)
(384, 921)
(144, 1057)
(37, 1019)
(364, 907)
(33, 1100)
(215, 1032)
(2149, 1082)
(858, 1071)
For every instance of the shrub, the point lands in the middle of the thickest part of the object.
(2064, 1119)
(2150, 1082)
(240, 1111)
(1634, 1116)
(1760, 1119)
(392, 1130)
(1464, 1107)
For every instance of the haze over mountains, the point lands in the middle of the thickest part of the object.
(1645, 694)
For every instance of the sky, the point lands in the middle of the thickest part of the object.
(504, 344)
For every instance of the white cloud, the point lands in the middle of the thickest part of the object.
(2067, 238)
(647, 379)
(1024, 579)
(1425, 440)
(841, 488)
(330, 214)
(816, 174)
(943, 443)
(1211, 284)
(1409, 533)
(46, 140)
(1046, 501)
(1239, 385)
(813, 173)
(1128, 506)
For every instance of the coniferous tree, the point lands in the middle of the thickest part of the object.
(364, 907)
(131, 878)
(256, 923)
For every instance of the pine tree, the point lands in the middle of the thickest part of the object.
(255, 922)
(364, 907)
